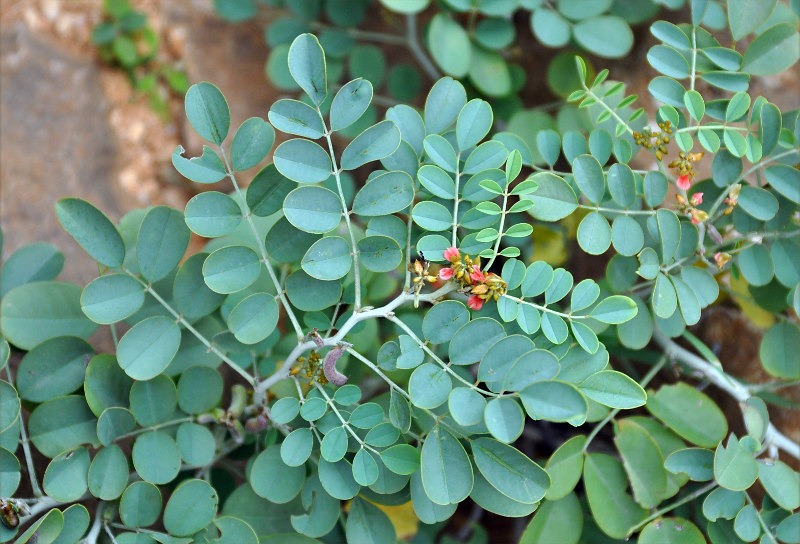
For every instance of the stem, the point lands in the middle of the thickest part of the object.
(156, 427)
(613, 210)
(455, 203)
(694, 57)
(649, 376)
(695, 128)
(760, 519)
(608, 109)
(725, 382)
(329, 400)
(372, 366)
(110, 534)
(179, 318)
(94, 532)
(545, 308)
(499, 231)
(346, 213)
(26, 448)
(417, 51)
(658, 513)
(261, 247)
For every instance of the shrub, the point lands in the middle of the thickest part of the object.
(383, 343)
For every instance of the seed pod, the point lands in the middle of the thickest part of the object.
(255, 424)
(329, 367)
(238, 400)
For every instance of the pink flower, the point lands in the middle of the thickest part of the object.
(684, 182)
(696, 199)
(476, 274)
(452, 254)
(475, 302)
(446, 273)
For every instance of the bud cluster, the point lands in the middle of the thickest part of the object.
(657, 140)
(685, 166)
(467, 273)
(733, 198)
(697, 215)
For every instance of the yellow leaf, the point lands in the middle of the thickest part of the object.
(756, 314)
(403, 518)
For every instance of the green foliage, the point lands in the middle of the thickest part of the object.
(123, 38)
(386, 331)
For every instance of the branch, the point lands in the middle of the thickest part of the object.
(725, 382)
(417, 51)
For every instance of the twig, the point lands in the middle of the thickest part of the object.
(26, 448)
(672, 506)
(416, 49)
(725, 382)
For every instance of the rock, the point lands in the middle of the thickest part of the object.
(54, 142)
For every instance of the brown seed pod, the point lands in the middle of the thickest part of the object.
(329, 367)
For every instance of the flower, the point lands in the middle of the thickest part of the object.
(476, 274)
(697, 199)
(452, 254)
(721, 259)
(446, 273)
(475, 302)
(684, 182)
(698, 216)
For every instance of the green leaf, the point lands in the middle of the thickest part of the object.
(781, 482)
(670, 34)
(379, 253)
(328, 259)
(429, 386)
(671, 531)
(564, 468)
(212, 214)
(614, 310)
(755, 263)
(65, 477)
(744, 17)
(612, 508)
(161, 243)
(734, 466)
(39, 261)
(192, 506)
(307, 66)
(608, 36)
(773, 51)
(196, 443)
(350, 103)
(235, 531)
(553, 401)
(668, 61)
(665, 300)
(375, 143)
(667, 90)
(313, 209)
(614, 389)
(643, 463)
(199, 389)
(254, 318)
(156, 457)
(556, 521)
(113, 423)
(474, 122)
(334, 445)
(449, 45)
(302, 161)
(251, 143)
(550, 28)
(443, 104)
(45, 530)
(436, 181)
(309, 294)
(669, 233)
(401, 459)
(758, 202)
(432, 216)
(108, 474)
(695, 104)
(207, 168)
(76, 521)
(594, 234)
(92, 230)
(778, 348)
(208, 112)
(54, 368)
(384, 194)
(622, 185)
(368, 524)
(471, 342)
(687, 301)
(295, 117)
(231, 269)
(510, 471)
(589, 177)
(262, 477)
(140, 505)
(466, 406)
(35, 312)
(697, 463)
(504, 419)
(553, 200)
(690, 413)
(147, 348)
(627, 235)
(443, 320)
(489, 72)
(439, 150)
(445, 468)
(782, 178)
(365, 469)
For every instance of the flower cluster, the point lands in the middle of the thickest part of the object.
(685, 165)
(481, 286)
(697, 215)
(311, 368)
(657, 140)
(733, 198)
